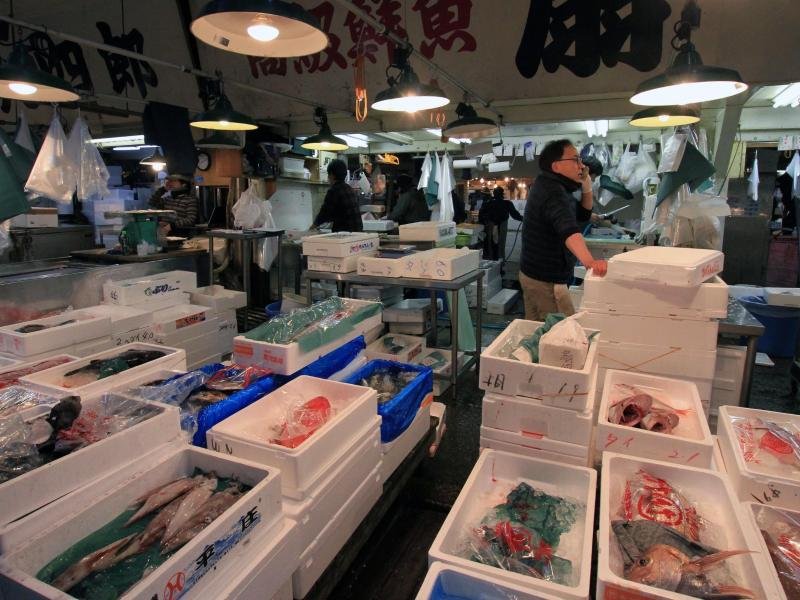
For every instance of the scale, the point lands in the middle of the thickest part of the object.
(141, 228)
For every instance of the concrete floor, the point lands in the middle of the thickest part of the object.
(394, 562)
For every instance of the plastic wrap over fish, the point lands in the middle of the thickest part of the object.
(773, 445)
(16, 398)
(398, 412)
(286, 328)
(303, 418)
(781, 532)
(12, 377)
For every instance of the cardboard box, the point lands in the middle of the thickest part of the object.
(340, 245)
(683, 267)
(144, 290)
(493, 476)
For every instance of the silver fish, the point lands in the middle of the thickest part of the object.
(154, 530)
(191, 502)
(165, 495)
(214, 507)
(99, 560)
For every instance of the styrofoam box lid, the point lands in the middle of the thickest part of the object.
(764, 464)
(179, 311)
(678, 266)
(341, 237)
(782, 296)
(494, 475)
(147, 279)
(709, 492)
(673, 393)
(466, 584)
(123, 318)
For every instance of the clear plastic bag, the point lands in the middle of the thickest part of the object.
(18, 451)
(781, 532)
(23, 136)
(235, 378)
(91, 173)
(16, 398)
(285, 328)
(302, 419)
(626, 165)
(248, 212)
(672, 153)
(772, 445)
(54, 172)
(267, 250)
(565, 345)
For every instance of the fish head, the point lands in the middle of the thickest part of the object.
(660, 566)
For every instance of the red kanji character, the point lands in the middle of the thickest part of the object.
(444, 22)
(692, 457)
(627, 442)
(611, 439)
(674, 454)
(315, 62)
(266, 65)
(365, 38)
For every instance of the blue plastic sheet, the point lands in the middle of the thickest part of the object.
(397, 413)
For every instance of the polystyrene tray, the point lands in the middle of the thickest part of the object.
(714, 500)
(689, 443)
(491, 479)
(685, 267)
(247, 433)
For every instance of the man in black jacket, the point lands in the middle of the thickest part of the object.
(340, 207)
(551, 237)
(494, 216)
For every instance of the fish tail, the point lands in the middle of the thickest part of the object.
(728, 592)
(702, 564)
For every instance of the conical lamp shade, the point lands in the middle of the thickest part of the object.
(223, 117)
(325, 140)
(219, 139)
(658, 117)
(260, 28)
(21, 79)
(469, 125)
(410, 95)
(156, 160)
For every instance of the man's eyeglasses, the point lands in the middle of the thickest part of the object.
(577, 159)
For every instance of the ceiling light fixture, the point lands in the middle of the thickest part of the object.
(220, 139)
(456, 140)
(260, 28)
(120, 140)
(22, 79)
(223, 117)
(324, 140)
(788, 96)
(688, 80)
(596, 128)
(405, 92)
(658, 117)
(155, 161)
(470, 125)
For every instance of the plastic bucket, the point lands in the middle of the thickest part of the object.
(781, 326)
(274, 309)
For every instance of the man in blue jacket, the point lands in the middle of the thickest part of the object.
(551, 237)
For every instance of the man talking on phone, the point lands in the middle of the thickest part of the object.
(551, 237)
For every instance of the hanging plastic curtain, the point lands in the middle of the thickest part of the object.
(793, 171)
(426, 172)
(91, 174)
(444, 193)
(752, 181)
(23, 136)
(53, 173)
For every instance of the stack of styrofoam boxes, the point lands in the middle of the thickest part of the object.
(108, 229)
(442, 263)
(439, 235)
(492, 283)
(408, 348)
(412, 317)
(88, 334)
(338, 252)
(223, 303)
(727, 386)
(657, 309)
(534, 409)
(707, 492)
(689, 443)
(331, 480)
(388, 295)
(493, 477)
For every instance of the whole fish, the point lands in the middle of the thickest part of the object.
(668, 568)
(205, 515)
(34, 327)
(153, 532)
(102, 559)
(636, 537)
(192, 501)
(660, 421)
(164, 496)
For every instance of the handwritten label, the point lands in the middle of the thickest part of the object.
(768, 495)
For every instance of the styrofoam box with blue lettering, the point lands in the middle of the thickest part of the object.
(142, 290)
(63, 523)
(340, 245)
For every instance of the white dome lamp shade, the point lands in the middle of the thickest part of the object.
(405, 92)
(260, 28)
(688, 80)
(21, 79)
(469, 125)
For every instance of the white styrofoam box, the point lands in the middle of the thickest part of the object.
(757, 478)
(332, 539)
(227, 325)
(9, 362)
(701, 335)
(535, 419)
(414, 310)
(378, 225)
(219, 298)
(709, 492)
(565, 388)
(538, 443)
(490, 290)
(684, 267)
(339, 245)
(123, 318)
(416, 265)
(346, 472)
(409, 328)
(285, 359)
(576, 293)
(502, 301)
(36, 219)
(202, 347)
(248, 432)
(346, 264)
(50, 380)
(373, 334)
(63, 523)
(144, 335)
(519, 450)
(17, 365)
(266, 572)
(493, 476)
(424, 358)
(756, 513)
(782, 296)
(689, 443)
(717, 461)
(411, 348)
(171, 320)
(388, 294)
(729, 367)
(465, 584)
(396, 451)
(709, 300)
(214, 358)
(101, 208)
(448, 263)
(28, 492)
(86, 327)
(90, 347)
(183, 337)
(427, 231)
(660, 360)
(382, 267)
(143, 290)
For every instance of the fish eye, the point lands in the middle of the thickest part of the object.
(643, 562)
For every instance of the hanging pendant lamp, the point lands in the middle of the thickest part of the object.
(324, 140)
(688, 80)
(260, 28)
(219, 139)
(658, 117)
(405, 92)
(223, 117)
(21, 79)
(155, 161)
(469, 125)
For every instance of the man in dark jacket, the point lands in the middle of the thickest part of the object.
(176, 195)
(411, 206)
(494, 216)
(550, 233)
(340, 207)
